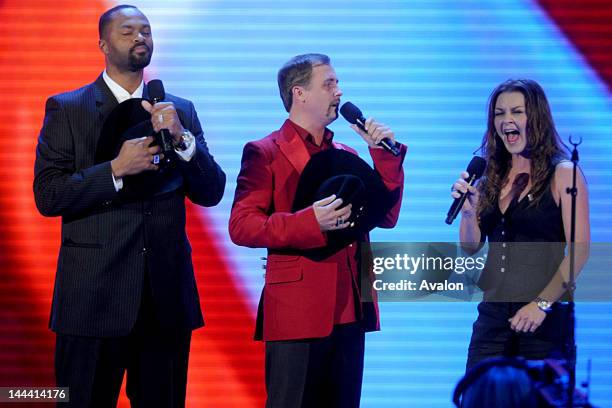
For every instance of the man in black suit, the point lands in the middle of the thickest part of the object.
(125, 294)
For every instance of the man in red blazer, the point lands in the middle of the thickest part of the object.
(313, 319)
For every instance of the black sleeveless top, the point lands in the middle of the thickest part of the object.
(526, 246)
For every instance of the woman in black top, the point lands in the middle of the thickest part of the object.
(522, 208)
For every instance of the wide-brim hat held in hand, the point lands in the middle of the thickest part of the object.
(129, 120)
(335, 171)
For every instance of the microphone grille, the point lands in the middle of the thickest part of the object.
(156, 90)
(350, 112)
(477, 167)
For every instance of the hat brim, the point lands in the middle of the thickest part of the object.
(334, 169)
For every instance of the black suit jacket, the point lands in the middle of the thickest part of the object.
(108, 243)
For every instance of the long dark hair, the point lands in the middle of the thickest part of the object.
(544, 146)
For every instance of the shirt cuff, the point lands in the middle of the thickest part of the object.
(188, 153)
(118, 182)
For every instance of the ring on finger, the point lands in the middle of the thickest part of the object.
(161, 118)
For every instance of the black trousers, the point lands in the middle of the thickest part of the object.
(493, 337)
(322, 372)
(155, 360)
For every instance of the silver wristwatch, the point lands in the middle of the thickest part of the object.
(186, 141)
(543, 304)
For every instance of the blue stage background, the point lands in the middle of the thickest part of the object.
(426, 68)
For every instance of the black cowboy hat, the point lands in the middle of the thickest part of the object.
(335, 171)
(129, 120)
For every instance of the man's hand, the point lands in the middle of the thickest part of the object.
(328, 215)
(135, 156)
(527, 319)
(164, 116)
(376, 132)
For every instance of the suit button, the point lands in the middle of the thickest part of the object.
(144, 250)
(107, 203)
(148, 213)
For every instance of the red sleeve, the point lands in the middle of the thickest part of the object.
(254, 223)
(391, 171)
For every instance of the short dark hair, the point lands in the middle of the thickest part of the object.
(297, 72)
(497, 382)
(107, 17)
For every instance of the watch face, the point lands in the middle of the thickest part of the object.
(544, 305)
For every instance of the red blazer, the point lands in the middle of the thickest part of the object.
(299, 294)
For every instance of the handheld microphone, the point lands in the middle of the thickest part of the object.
(475, 170)
(158, 94)
(353, 115)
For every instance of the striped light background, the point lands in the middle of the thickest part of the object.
(424, 67)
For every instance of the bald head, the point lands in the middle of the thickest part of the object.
(125, 39)
(107, 18)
